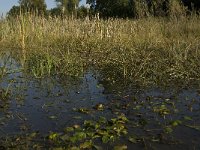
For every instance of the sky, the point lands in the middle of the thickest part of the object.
(6, 5)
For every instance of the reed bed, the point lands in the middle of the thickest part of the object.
(147, 51)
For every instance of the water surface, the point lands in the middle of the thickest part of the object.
(159, 118)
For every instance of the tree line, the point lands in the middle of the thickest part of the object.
(106, 8)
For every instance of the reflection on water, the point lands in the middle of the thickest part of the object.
(27, 104)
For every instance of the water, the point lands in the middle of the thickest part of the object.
(158, 118)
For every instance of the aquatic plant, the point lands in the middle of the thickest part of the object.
(148, 50)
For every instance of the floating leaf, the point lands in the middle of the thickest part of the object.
(102, 120)
(97, 147)
(53, 136)
(137, 107)
(78, 136)
(99, 107)
(76, 126)
(74, 148)
(34, 134)
(89, 124)
(188, 118)
(121, 147)
(168, 129)
(58, 148)
(83, 110)
(77, 117)
(69, 129)
(176, 123)
(105, 139)
(65, 137)
(52, 117)
(132, 139)
(87, 144)
(194, 127)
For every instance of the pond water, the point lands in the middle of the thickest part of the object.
(158, 118)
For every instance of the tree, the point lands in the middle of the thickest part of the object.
(54, 12)
(68, 6)
(110, 8)
(82, 12)
(121, 8)
(92, 3)
(14, 11)
(192, 4)
(158, 7)
(36, 6)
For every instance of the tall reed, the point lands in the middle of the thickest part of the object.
(147, 50)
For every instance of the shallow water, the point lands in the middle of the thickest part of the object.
(158, 118)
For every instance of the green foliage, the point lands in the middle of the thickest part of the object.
(106, 130)
(14, 11)
(68, 6)
(54, 12)
(141, 8)
(109, 8)
(82, 12)
(37, 6)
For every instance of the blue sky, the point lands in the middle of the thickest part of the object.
(5, 5)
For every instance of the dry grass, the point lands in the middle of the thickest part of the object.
(147, 50)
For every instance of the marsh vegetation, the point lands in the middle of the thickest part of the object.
(100, 83)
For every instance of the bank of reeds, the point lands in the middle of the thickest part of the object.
(148, 50)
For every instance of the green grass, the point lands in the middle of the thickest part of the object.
(147, 51)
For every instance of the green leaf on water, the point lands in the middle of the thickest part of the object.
(84, 110)
(78, 136)
(52, 117)
(168, 129)
(58, 148)
(97, 147)
(89, 123)
(176, 123)
(121, 147)
(99, 107)
(34, 134)
(99, 85)
(86, 145)
(74, 148)
(77, 117)
(53, 136)
(188, 118)
(102, 120)
(65, 137)
(105, 139)
(101, 132)
(194, 127)
(132, 139)
(69, 129)
(123, 118)
(137, 107)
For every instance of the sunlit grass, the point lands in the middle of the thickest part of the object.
(149, 50)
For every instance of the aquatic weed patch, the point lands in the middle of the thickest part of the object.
(147, 51)
(84, 136)
(76, 137)
(144, 121)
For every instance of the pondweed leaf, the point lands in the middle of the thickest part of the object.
(121, 147)
(86, 145)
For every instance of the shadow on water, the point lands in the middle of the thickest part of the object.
(158, 118)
